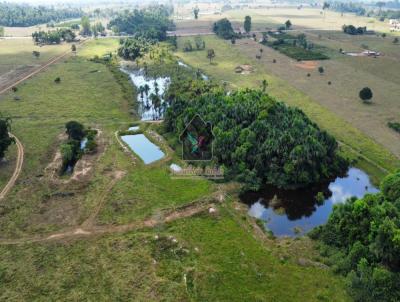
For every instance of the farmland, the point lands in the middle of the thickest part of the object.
(119, 229)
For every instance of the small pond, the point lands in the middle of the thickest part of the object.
(143, 147)
(133, 128)
(295, 212)
(151, 102)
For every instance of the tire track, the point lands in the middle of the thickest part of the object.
(18, 168)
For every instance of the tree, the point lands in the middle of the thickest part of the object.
(223, 28)
(5, 139)
(210, 54)
(196, 11)
(321, 70)
(366, 94)
(73, 49)
(264, 84)
(288, 24)
(247, 24)
(1, 31)
(380, 4)
(396, 40)
(85, 24)
(75, 130)
(36, 54)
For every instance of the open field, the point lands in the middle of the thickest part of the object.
(228, 57)
(213, 253)
(262, 18)
(16, 57)
(150, 266)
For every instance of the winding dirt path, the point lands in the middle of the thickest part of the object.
(18, 168)
(83, 232)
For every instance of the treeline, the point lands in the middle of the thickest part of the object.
(362, 241)
(258, 140)
(348, 7)
(25, 15)
(352, 30)
(150, 23)
(53, 37)
(133, 48)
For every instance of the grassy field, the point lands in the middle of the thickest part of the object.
(228, 57)
(216, 257)
(262, 18)
(17, 54)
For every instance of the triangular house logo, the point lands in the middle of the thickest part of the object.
(197, 140)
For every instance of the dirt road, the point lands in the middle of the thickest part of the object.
(18, 168)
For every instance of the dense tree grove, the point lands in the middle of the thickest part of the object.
(53, 37)
(257, 139)
(352, 30)
(223, 28)
(133, 48)
(362, 239)
(150, 23)
(348, 7)
(25, 15)
(5, 139)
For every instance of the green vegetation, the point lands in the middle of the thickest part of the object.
(352, 30)
(198, 43)
(53, 37)
(366, 94)
(5, 139)
(223, 29)
(355, 143)
(296, 47)
(257, 139)
(71, 150)
(133, 48)
(247, 24)
(150, 23)
(362, 241)
(394, 125)
(12, 14)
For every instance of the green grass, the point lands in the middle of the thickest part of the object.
(146, 191)
(17, 54)
(99, 47)
(215, 254)
(228, 57)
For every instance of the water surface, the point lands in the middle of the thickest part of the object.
(295, 212)
(143, 147)
(148, 108)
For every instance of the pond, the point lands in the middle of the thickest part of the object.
(151, 102)
(143, 147)
(295, 212)
(133, 128)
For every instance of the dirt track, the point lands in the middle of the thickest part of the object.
(28, 75)
(18, 168)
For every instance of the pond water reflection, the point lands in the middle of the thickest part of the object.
(150, 93)
(295, 212)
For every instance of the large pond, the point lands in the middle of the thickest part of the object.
(150, 94)
(143, 147)
(295, 212)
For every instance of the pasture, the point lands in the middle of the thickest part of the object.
(182, 260)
